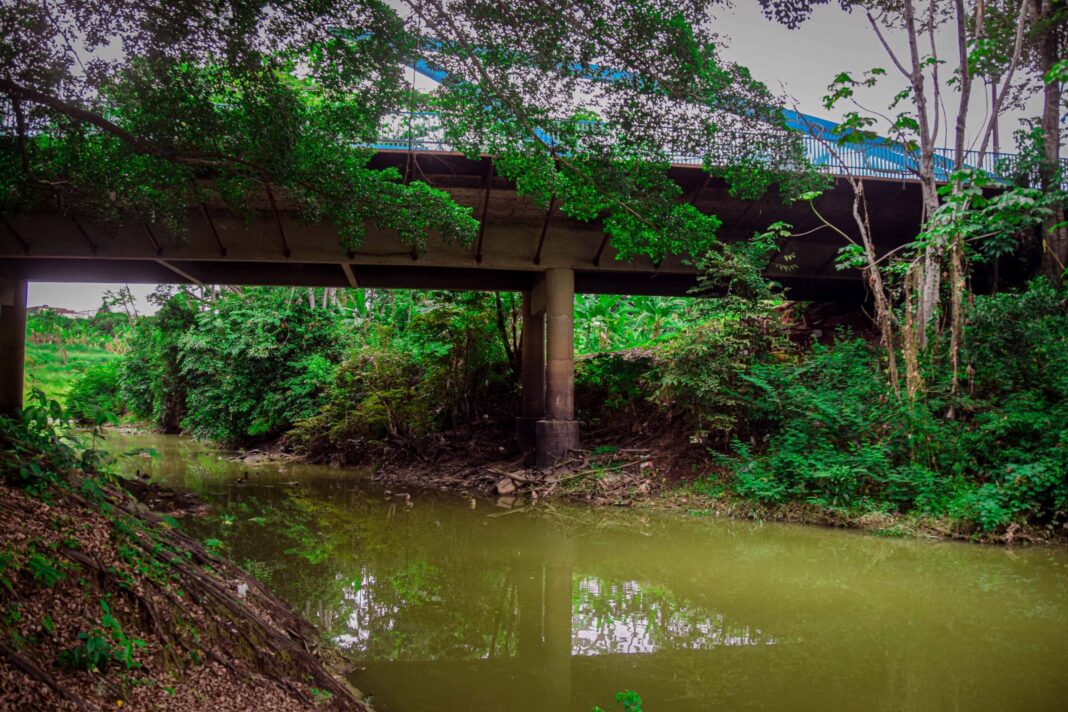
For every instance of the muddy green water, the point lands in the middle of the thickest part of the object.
(452, 604)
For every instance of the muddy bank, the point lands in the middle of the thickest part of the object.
(107, 604)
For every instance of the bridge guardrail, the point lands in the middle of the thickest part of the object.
(862, 160)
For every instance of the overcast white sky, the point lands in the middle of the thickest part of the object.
(799, 62)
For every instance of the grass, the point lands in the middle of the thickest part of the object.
(55, 367)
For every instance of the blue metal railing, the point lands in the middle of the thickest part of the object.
(870, 159)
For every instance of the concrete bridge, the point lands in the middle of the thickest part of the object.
(541, 253)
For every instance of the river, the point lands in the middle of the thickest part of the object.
(455, 604)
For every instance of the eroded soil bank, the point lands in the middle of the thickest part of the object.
(107, 604)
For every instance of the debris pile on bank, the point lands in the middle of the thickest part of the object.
(616, 477)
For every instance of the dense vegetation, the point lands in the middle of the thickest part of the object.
(784, 414)
(61, 347)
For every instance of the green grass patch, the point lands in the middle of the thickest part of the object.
(55, 367)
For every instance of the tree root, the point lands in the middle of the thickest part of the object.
(259, 629)
(38, 673)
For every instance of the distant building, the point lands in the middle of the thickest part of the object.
(61, 311)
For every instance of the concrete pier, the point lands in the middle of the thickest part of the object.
(12, 344)
(558, 431)
(532, 408)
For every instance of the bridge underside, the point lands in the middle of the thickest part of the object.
(520, 247)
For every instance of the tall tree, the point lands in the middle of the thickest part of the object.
(139, 108)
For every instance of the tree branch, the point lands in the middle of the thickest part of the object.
(18, 91)
(886, 46)
(996, 109)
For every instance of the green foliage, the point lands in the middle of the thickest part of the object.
(60, 349)
(151, 383)
(290, 102)
(45, 570)
(105, 329)
(256, 362)
(93, 652)
(611, 382)
(439, 366)
(101, 646)
(95, 397)
(700, 372)
(321, 696)
(834, 435)
(629, 700)
(607, 322)
(37, 450)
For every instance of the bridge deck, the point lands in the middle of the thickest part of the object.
(517, 242)
(520, 247)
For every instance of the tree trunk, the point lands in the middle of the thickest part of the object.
(1055, 239)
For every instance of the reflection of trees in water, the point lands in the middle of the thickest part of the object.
(391, 583)
(909, 625)
(620, 616)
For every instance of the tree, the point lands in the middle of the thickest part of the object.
(950, 212)
(137, 109)
(1049, 32)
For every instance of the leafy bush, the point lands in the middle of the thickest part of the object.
(834, 435)
(254, 364)
(612, 382)
(95, 397)
(445, 369)
(36, 450)
(700, 371)
(152, 384)
(378, 395)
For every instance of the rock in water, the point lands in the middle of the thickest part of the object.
(505, 486)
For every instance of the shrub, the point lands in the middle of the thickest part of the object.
(701, 371)
(95, 397)
(445, 369)
(378, 395)
(833, 434)
(254, 364)
(612, 382)
(36, 451)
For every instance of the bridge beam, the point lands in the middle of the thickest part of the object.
(558, 432)
(532, 367)
(12, 344)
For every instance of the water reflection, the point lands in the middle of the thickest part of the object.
(452, 608)
(629, 617)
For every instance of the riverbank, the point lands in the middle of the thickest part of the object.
(641, 466)
(107, 604)
(640, 484)
(651, 469)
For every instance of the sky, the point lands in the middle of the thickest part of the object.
(799, 63)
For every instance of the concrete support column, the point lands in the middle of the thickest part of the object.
(12, 344)
(557, 433)
(533, 372)
(560, 366)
